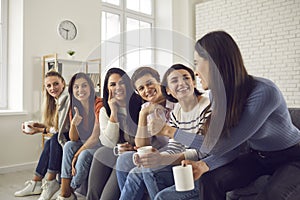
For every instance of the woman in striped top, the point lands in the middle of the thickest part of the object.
(156, 173)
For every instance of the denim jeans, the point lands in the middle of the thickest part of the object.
(123, 165)
(82, 165)
(171, 193)
(51, 157)
(141, 179)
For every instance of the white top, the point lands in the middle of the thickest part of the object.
(109, 131)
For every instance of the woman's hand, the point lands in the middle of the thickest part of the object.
(35, 128)
(148, 160)
(125, 147)
(74, 160)
(112, 102)
(199, 167)
(156, 126)
(154, 108)
(77, 118)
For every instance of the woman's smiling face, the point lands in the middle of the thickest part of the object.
(180, 84)
(54, 86)
(117, 87)
(81, 89)
(148, 88)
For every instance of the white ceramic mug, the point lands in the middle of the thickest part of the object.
(27, 129)
(183, 178)
(116, 149)
(141, 151)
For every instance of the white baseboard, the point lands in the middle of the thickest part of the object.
(18, 167)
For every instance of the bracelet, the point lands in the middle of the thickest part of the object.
(45, 130)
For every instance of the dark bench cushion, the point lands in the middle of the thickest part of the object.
(249, 192)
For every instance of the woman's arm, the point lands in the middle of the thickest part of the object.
(156, 159)
(262, 102)
(109, 131)
(77, 119)
(94, 138)
(142, 138)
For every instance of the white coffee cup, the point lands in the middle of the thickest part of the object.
(27, 129)
(183, 178)
(116, 149)
(141, 151)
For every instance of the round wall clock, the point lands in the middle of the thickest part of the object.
(67, 30)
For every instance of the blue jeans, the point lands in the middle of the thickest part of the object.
(123, 165)
(51, 157)
(82, 166)
(141, 179)
(171, 193)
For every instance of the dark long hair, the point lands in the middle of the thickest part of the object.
(90, 120)
(164, 82)
(225, 59)
(133, 101)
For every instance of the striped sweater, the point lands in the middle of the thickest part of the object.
(190, 122)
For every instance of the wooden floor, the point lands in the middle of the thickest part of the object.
(12, 182)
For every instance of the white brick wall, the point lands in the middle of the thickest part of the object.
(268, 34)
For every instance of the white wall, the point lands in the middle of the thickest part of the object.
(268, 33)
(36, 31)
(38, 21)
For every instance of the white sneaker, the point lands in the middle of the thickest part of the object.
(31, 188)
(49, 189)
(72, 197)
(55, 195)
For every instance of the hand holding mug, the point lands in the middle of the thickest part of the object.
(31, 127)
(147, 157)
(199, 167)
(121, 148)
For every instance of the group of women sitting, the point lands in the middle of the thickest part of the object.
(238, 132)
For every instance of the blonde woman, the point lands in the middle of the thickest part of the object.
(55, 120)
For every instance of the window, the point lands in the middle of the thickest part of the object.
(3, 54)
(126, 33)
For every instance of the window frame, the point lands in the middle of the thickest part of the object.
(125, 13)
(3, 57)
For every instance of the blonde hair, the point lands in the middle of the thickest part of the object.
(49, 106)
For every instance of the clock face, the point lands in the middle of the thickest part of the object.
(67, 30)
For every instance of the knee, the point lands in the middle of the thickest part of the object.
(85, 157)
(105, 156)
(124, 161)
(68, 145)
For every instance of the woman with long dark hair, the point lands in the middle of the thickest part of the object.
(244, 109)
(118, 125)
(84, 134)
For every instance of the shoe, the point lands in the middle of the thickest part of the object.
(49, 189)
(31, 188)
(72, 197)
(55, 195)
